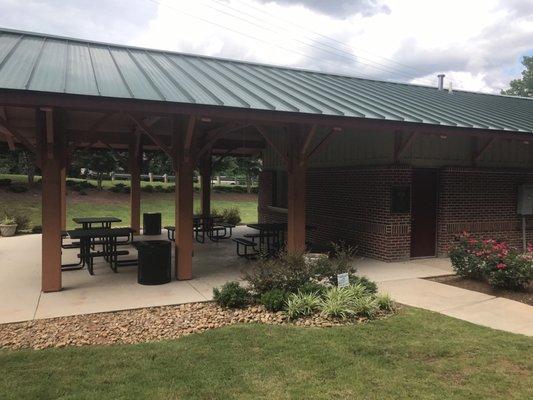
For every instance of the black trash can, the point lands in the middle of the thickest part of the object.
(152, 224)
(154, 262)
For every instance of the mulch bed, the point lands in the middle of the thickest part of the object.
(141, 325)
(483, 287)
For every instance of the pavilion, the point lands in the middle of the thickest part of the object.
(58, 94)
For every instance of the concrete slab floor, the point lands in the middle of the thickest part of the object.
(213, 265)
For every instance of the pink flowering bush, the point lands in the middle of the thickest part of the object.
(495, 261)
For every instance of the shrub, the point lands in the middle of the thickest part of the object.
(8, 221)
(340, 262)
(120, 188)
(231, 215)
(385, 302)
(313, 287)
(337, 303)
(357, 291)
(274, 300)
(515, 273)
(490, 260)
(366, 306)
(170, 189)
(231, 295)
(23, 222)
(37, 229)
(302, 304)
(82, 192)
(370, 286)
(159, 189)
(18, 188)
(5, 182)
(148, 189)
(287, 272)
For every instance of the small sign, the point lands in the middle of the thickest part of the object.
(343, 280)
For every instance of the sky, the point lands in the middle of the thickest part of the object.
(477, 44)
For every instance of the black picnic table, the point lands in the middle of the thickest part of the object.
(108, 237)
(272, 234)
(205, 224)
(87, 222)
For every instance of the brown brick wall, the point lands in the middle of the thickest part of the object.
(480, 201)
(354, 204)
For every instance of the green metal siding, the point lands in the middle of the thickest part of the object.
(36, 62)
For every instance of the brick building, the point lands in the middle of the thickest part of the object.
(397, 202)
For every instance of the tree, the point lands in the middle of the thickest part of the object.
(523, 86)
(250, 168)
(97, 161)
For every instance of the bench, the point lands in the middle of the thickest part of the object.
(246, 244)
(106, 254)
(171, 231)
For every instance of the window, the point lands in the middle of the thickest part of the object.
(400, 200)
(279, 189)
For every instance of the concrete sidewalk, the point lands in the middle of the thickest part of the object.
(405, 285)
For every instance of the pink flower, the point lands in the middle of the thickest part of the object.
(501, 266)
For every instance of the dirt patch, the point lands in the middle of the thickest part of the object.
(525, 297)
(142, 325)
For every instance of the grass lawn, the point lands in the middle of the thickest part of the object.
(413, 355)
(106, 203)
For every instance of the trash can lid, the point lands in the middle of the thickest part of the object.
(150, 243)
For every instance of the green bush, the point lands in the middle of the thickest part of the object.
(120, 188)
(385, 302)
(37, 229)
(5, 182)
(287, 272)
(274, 300)
(337, 303)
(8, 221)
(366, 306)
(159, 189)
(82, 192)
(231, 295)
(231, 215)
(514, 273)
(302, 304)
(339, 262)
(313, 287)
(170, 189)
(23, 222)
(370, 286)
(17, 188)
(503, 266)
(148, 188)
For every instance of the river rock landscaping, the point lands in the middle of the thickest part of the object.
(144, 325)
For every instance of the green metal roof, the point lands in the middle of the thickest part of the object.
(44, 63)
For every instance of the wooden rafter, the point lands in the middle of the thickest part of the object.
(100, 121)
(213, 135)
(269, 140)
(477, 155)
(6, 127)
(153, 137)
(405, 145)
(323, 143)
(308, 139)
(8, 136)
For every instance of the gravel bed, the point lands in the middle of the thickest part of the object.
(141, 325)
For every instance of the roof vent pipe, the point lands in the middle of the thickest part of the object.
(441, 81)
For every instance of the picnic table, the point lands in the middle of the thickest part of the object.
(203, 225)
(87, 222)
(108, 238)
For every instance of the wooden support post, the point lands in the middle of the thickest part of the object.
(183, 170)
(135, 182)
(64, 197)
(205, 182)
(50, 135)
(297, 168)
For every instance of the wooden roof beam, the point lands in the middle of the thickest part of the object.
(147, 130)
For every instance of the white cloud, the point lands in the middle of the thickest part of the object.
(476, 43)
